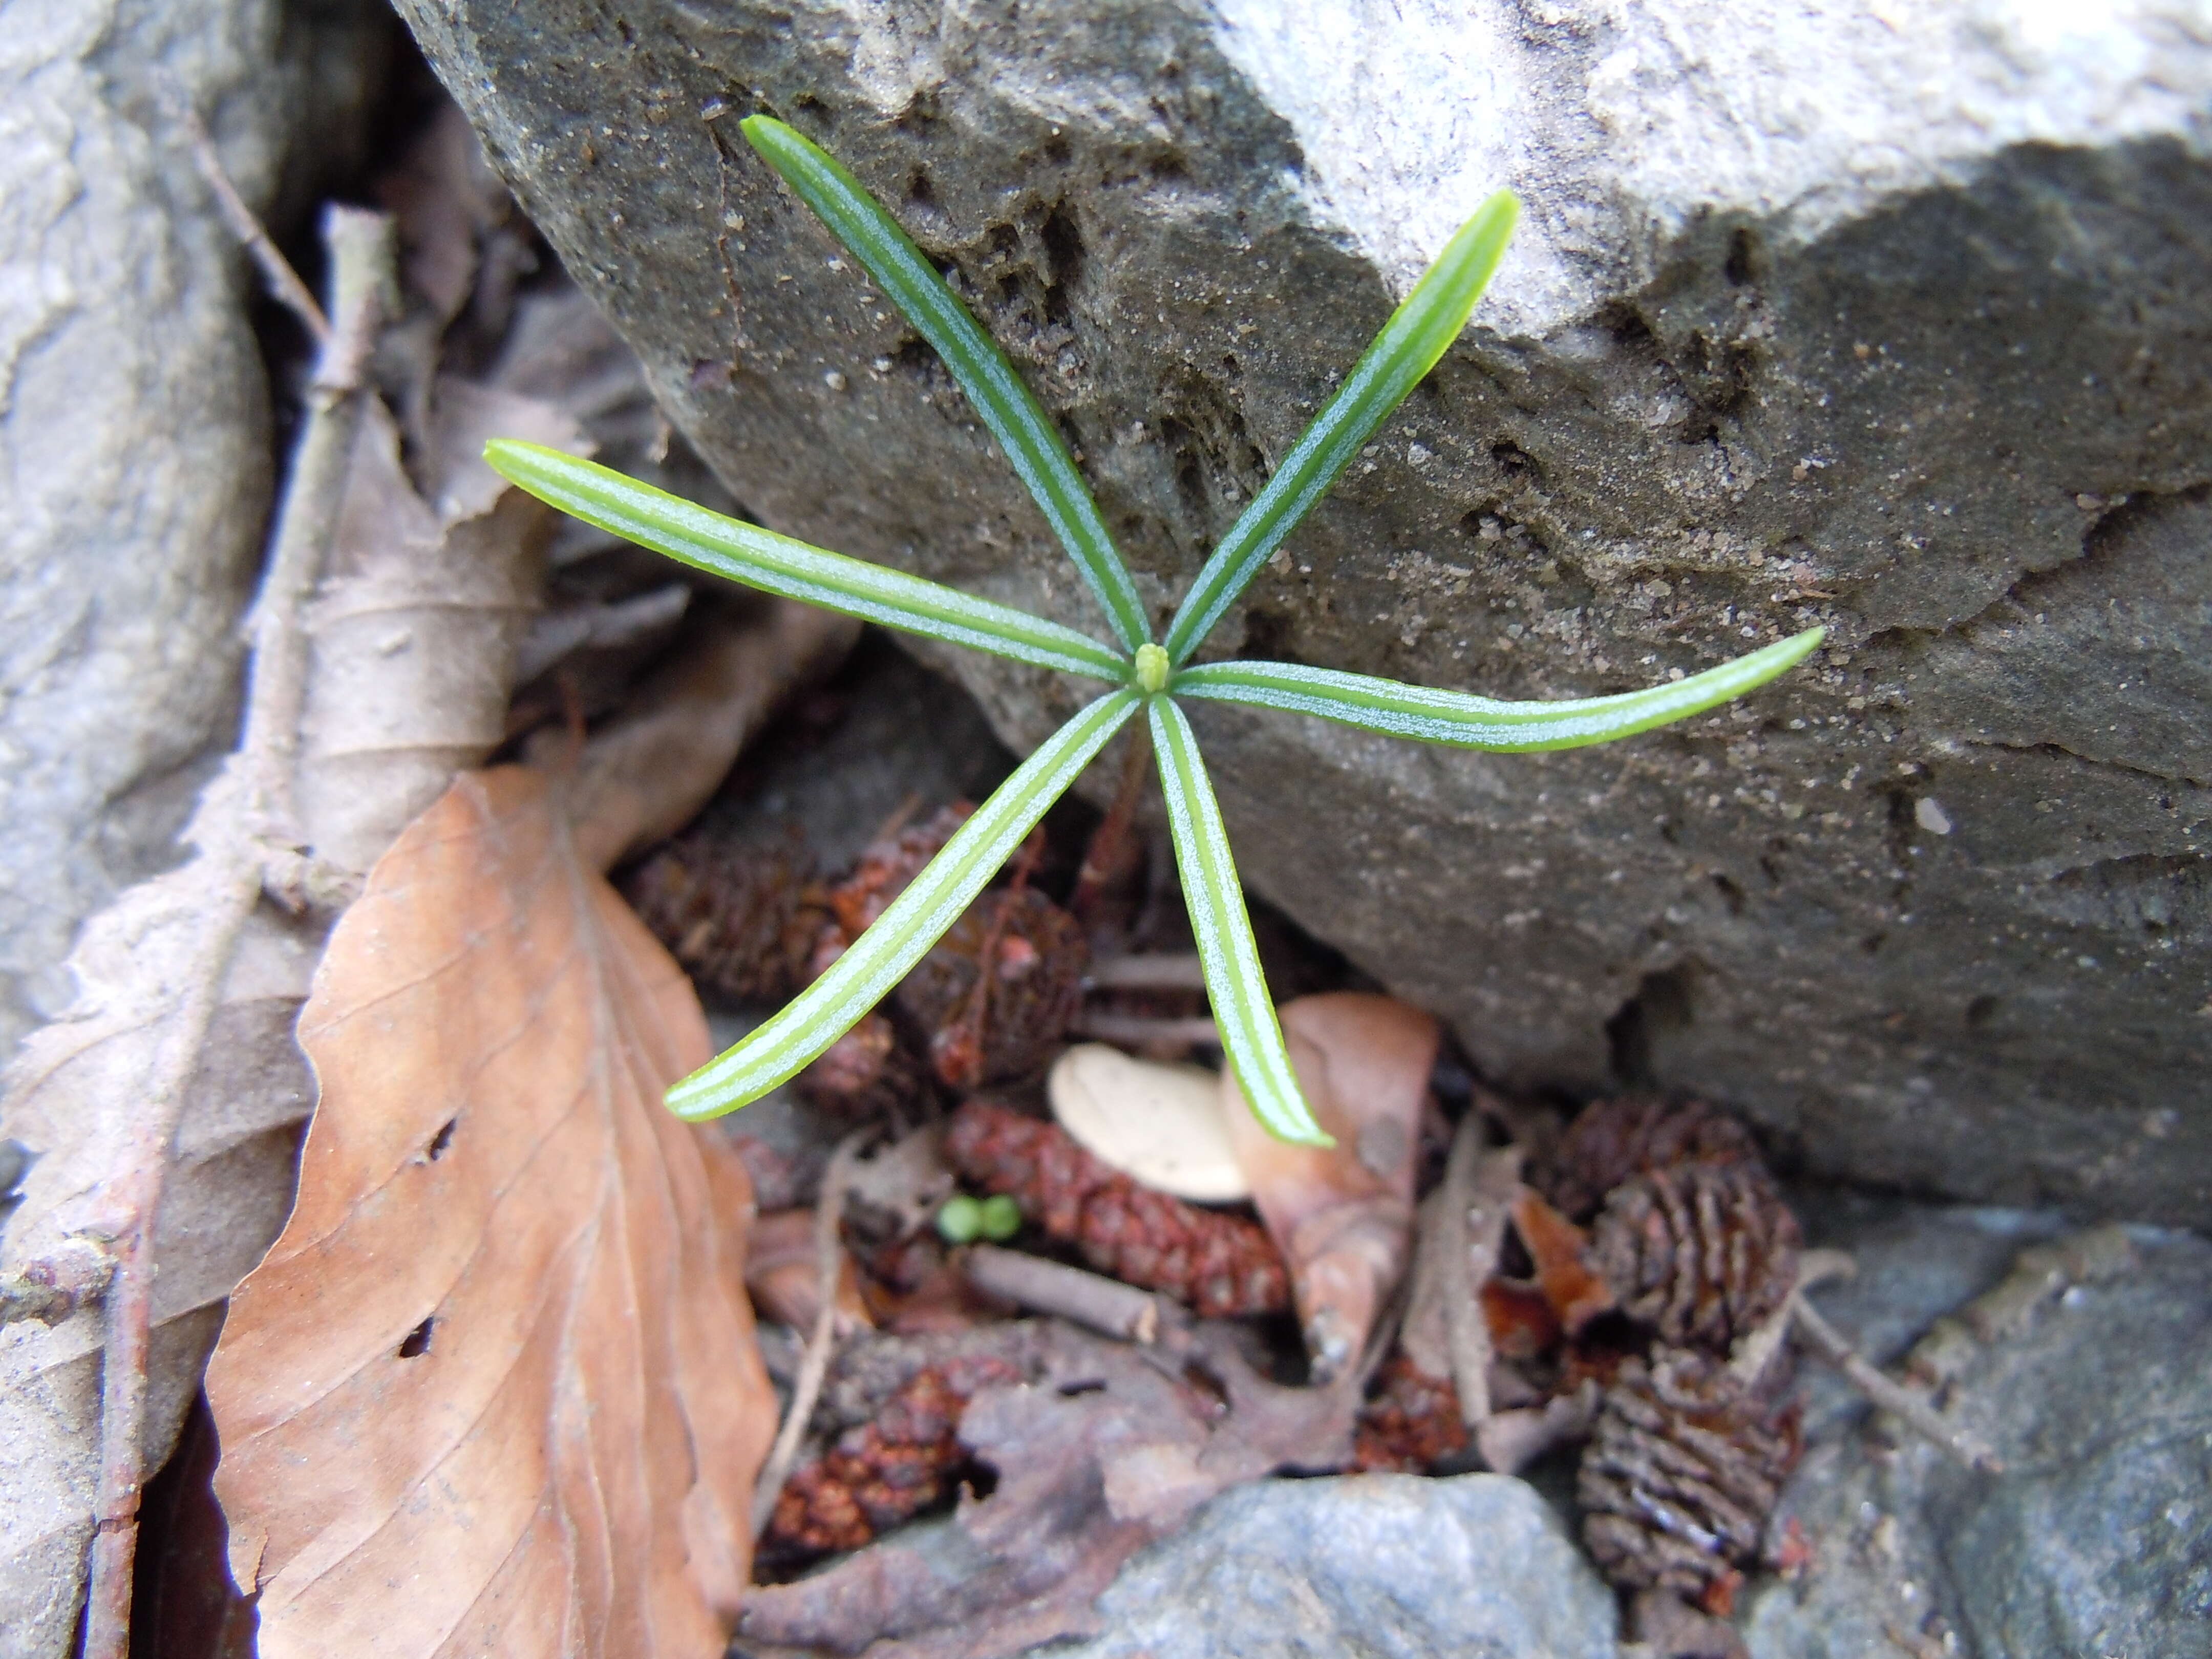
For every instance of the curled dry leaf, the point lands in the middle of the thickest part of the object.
(413, 634)
(494, 1386)
(1561, 1251)
(899, 1189)
(1105, 1452)
(1343, 1215)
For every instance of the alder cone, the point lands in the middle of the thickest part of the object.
(1410, 1424)
(1702, 1252)
(885, 1471)
(886, 866)
(1221, 1265)
(1611, 1140)
(987, 1027)
(1680, 1475)
(742, 920)
(865, 1074)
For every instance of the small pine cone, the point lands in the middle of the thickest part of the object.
(1035, 988)
(1704, 1252)
(880, 1473)
(1613, 1139)
(887, 865)
(865, 1074)
(1679, 1476)
(1410, 1424)
(741, 919)
(1221, 1265)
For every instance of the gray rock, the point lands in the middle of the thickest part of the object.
(1890, 321)
(1379, 1566)
(2096, 1540)
(900, 737)
(133, 427)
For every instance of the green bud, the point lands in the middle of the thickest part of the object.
(1152, 669)
(961, 1219)
(1000, 1217)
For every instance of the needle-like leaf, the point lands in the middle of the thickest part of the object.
(1418, 332)
(1242, 1009)
(776, 564)
(776, 1051)
(1469, 722)
(1032, 443)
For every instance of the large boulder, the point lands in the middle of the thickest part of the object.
(1892, 320)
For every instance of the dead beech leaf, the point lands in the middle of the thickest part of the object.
(1343, 1215)
(494, 1388)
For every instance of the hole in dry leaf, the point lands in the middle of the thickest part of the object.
(441, 1141)
(417, 1342)
(1206, 1386)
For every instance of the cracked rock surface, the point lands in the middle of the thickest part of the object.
(1893, 323)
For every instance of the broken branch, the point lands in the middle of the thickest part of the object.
(1138, 1031)
(1913, 1409)
(228, 831)
(1160, 971)
(1091, 1300)
(814, 1363)
(284, 282)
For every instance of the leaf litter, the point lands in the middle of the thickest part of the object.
(416, 578)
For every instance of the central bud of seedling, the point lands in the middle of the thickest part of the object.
(1152, 669)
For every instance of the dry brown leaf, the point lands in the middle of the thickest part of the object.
(414, 634)
(1107, 1451)
(1562, 1254)
(783, 1274)
(1343, 1215)
(494, 1388)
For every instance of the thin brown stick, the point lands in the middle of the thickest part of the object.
(814, 1363)
(1162, 971)
(1913, 1409)
(1105, 1305)
(1112, 850)
(284, 282)
(1485, 1200)
(1135, 1031)
(228, 831)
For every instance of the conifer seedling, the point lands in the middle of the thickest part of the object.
(1144, 677)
